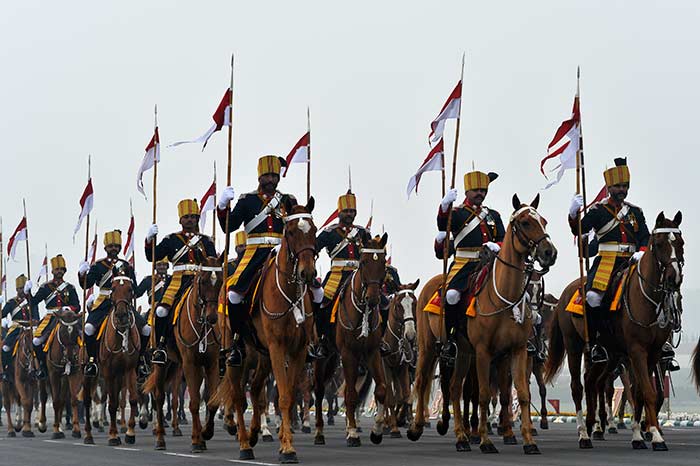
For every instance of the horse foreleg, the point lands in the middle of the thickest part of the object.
(193, 377)
(456, 392)
(88, 389)
(523, 388)
(425, 368)
(319, 386)
(574, 362)
(286, 383)
(73, 390)
(114, 391)
(58, 399)
(544, 422)
(130, 435)
(122, 408)
(258, 399)
(212, 384)
(483, 370)
(350, 365)
(43, 398)
(643, 367)
(504, 378)
(590, 379)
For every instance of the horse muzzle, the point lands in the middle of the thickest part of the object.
(546, 254)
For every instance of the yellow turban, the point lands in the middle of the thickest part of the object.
(58, 262)
(113, 237)
(476, 180)
(270, 164)
(20, 281)
(187, 207)
(347, 201)
(620, 173)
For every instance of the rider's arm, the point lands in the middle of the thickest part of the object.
(236, 217)
(73, 300)
(7, 308)
(643, 233)
(143, 286)
(163, 249)
(90, 278)
(40, 295)
(500, 229)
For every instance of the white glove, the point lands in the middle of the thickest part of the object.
(90, 301)
(576, 204)
(227, 195)
(449, 198)
(66, 308)
(637, 256)
(152, 232)
(83, 268)
(440, 237)
(495, 248)
(28, 287)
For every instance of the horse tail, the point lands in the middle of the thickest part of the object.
(696, 365)
(149, 386)
(557, 351)
(223, 395)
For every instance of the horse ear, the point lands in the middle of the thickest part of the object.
(516, 202)
(660, 219)
(414, 285)
(678, 218)
(288, 206)
(535, 202)
(383, 240)
(311, 204)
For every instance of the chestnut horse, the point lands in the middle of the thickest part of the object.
(22, 388)
(118, 357)
(198, 341)
(283, 326)
(63, 358)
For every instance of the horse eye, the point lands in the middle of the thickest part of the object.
(526, 224)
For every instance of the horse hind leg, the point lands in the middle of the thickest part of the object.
(456, 394)
(58, 400)
(319, 386)
(519, 370)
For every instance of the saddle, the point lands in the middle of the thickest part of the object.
(613, 294)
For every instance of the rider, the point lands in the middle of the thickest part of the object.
(239, 244)
(473, 226)
(18, 309)
(56, 294)
(621, 233)
(342, 241)
(162, 281)
(100, 274)
(261, 213)
(187, 250)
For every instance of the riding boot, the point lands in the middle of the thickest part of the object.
(160, 354)
(667, 352)
(448, 353)
(236, 316)
(6, 363)
(91, 369)
(143, 369)
(598, 352)
(320, 350)
(43, 372)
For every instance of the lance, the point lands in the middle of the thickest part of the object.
(308, 163)
(213, 212)
(446, 244)
(156, 149)
(26, 244)
(227, 240)
(46, 258)
(87, 245)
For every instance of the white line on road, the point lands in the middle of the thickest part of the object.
(82, 444)
(53, 441)
(127, 449)
(252, 462)
(183, 455)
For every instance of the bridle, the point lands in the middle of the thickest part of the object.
(402, 346)
(68, 358)
(361, 305)
(123, 329)
(201, 326)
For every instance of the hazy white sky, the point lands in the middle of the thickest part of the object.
(81, 78)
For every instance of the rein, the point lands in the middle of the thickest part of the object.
(122, 330)
(402, 346)
(201, 327)
(364, 311)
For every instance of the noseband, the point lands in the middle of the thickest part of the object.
(201, 327)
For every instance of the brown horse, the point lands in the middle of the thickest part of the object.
(21, 389)
(63, 358)
(502, 323)
(399, 336)
(283, 326)
(198, 341)
(358, 334)
(118, 356)
(695, 364)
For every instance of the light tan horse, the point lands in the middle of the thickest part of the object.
(283, 325)
(63, 358)
(22, 388)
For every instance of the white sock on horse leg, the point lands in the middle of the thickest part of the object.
(594, 298)
(317, 294)
(452, 297)
(235, 298)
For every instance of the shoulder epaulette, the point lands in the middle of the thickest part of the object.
(331, 227)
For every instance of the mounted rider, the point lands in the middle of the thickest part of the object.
(100, 273)
(19, 309)
(473, 227)
(56, 294)
(239, 245)
(622, 235)
(186, 250)
(260, 212)
(342, 241)
(162, 281)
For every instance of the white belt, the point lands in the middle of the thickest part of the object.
(462, 254)
(345, 263)
(195, 268)
(105, 292)
(271, 240)
(617, 247)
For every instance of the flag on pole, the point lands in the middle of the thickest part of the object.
(564, 146)
(449, 111)
(207, 204)
(92, 257)
(86, 202)
(435, 161)
(20, 234)
(152, 155)
(129, 246)
(44, 270)
(330, 218)
(221, 117)
(300, 152)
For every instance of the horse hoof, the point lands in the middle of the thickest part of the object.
(232, 429)
(11, 434)
(208, 434)
(89, 441)
(143, 424)
(442, 427)
(375, 438)
(463, 445)
(267, 438)
(196, 448)
(475, 440)
(500, 430)
(386, 430)
(585, 443)
(414, 434)
(68, 425)
(531, 449)
(114, 442)
(488, 448)
(544, 424)
(306, 429)
(177, 432)
(353, 441)
(58, 435)
(510, 440)
(533, 432)
(41, 428)
(598, 435)
(122, 430)
(129, 439)
(639, 445)
(621, 426)
(27, 433)
(395, 434)
(253, 440)
(76, 434)
(160, 444)
(330, 421)
(246, 455)
(289, 458)
(612, 430)
(318, 440)
(95, 424)
(647, 436)
(660, 446)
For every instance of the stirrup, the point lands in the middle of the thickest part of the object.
(235, 357)
(667, 353)
(672, 365)
(160, 356)
(598, 354)
(91, 369)
(448, 353)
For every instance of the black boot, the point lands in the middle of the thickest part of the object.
(6, 366)
(599, 354)
(91, 369)
(42, 372)
(448, 352)
(143, 369)
(667, 353)
(322, 321)
(236, 316)
(160, 354)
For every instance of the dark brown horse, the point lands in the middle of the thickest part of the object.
(283, 326)
(63, 358)
(22, 389)
(198, 341)
(118, 357)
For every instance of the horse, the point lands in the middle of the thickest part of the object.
(695, 365)
(283, 327)
(198, 342)
(118, 357)
(399, 336)
(63, 358)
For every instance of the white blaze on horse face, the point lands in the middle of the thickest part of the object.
(304, 225)
(674, 258)
(536, 215)
(409, 329)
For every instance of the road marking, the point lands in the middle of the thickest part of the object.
(83, 444)
(252, 462)
(53, 441)
(127, 449)
(183, 455)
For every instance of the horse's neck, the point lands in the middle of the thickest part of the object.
(648, 268)
(509, 280)
(285, 266)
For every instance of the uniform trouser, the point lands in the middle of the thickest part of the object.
(8, 345)
(457, 284)
(331, 288)
(178, 284)
(241, 283)
(598, 282)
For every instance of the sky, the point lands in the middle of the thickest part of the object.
(82, 78)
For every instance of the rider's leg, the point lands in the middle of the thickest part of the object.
(160, 355)
(90, 336)
(594, 300)
(320, 350)
(449, 348)
(236, 310)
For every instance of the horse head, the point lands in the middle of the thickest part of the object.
(300, 238)
(372, 268)
(208, 282)
(666, 245)
(535, 290)
(403, 305)
(122, 296)
(69, 322)
(529, 227)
